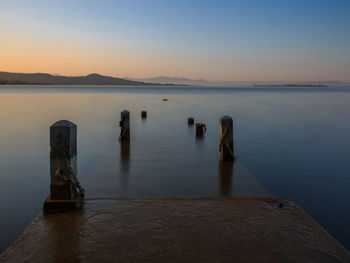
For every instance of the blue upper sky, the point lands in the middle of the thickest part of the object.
(217, 40)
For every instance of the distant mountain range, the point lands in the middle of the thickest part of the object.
(279, 84)
(48, 79)
(96, 79)
(203, 82)
(174, 80)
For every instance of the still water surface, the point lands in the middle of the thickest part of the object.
(289, 142)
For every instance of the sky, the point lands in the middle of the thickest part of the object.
(218, 40)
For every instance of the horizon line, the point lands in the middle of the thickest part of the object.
(181, 77)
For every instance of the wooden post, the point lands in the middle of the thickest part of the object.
(144, 114)
(190, 121)
(124, 125)
(200, 129)
(65, 190)
(226, 139)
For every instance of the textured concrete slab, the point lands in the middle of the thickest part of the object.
(177, 230)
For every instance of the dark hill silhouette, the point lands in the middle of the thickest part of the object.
(48, 79)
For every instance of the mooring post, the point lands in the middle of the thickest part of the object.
(124, 125)
(66, 192)
(190, 121)
(144, 114)
(200, 129)
(226, 139)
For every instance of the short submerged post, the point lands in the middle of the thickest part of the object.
(200, 129)
(190, 121)
(144, 114)
(66, 192)
(226, 139)
(124, 125)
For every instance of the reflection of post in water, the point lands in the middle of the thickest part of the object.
(190, 122)
(226, 170)
(124, 160)
(199, 146)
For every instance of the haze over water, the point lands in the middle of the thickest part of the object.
(289, 142)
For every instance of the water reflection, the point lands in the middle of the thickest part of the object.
(200, 144)
(225, 178)
(190, 129)
(280, 138)
(124, 162)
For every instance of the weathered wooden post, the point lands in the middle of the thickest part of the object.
(226, 139)
(190, 121)
(66, 192)
(124, 125)
(200, 129)
(144, 114)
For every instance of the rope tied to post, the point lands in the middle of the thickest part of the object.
(230, 150)
(226, 142)
(71, 177)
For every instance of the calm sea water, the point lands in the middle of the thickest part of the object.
(289, 142)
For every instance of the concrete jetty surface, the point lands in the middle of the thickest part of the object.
(177, 230)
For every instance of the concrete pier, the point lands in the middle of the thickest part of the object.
(177, 230)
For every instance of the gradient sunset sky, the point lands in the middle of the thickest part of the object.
(218, 40)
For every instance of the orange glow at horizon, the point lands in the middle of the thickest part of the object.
(33, 53)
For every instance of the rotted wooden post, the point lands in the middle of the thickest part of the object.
(144, 114)
(124, 125)
(190, 121)
(66, 192)
(226, 139)
(200, 129)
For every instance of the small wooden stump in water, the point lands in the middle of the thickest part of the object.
(144, 114)
(226, 139)
(66, 192)
(190, 121)
(200, 129)
(124, 125)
